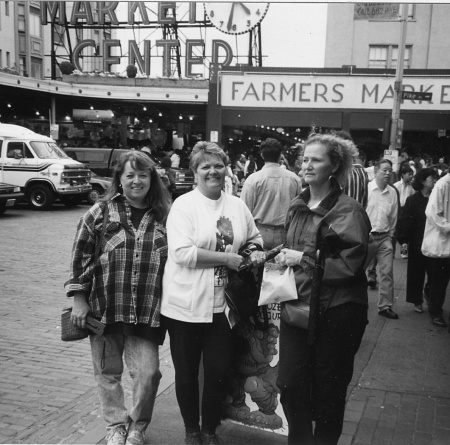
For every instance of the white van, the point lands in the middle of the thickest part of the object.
(40, 168)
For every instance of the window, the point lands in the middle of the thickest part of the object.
(411, 11)
(8, 59)
(36, 68)
(22, 65)
(1, 58)
(21, 18)
(386, 56)
(406, 60)
(35, 22)
(7, 8)
(58, 34)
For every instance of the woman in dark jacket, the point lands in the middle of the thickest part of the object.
(410, 234)
(316, 364)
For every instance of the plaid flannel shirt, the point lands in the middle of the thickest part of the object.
(125, 283)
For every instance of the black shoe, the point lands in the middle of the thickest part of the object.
(193, 438)
(439, 321)
(372, 282)
(388, 313)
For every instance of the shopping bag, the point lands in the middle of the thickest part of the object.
(278, 284)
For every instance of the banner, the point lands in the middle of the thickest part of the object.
(376, 11)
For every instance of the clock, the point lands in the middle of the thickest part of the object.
(235, 17)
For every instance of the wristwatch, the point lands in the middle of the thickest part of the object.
(235, 17)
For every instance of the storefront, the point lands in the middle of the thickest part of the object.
(108, 111)
(249, 104)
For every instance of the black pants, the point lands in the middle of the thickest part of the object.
(415, 275)
(188, 341)
(313, 381)
(439, 277)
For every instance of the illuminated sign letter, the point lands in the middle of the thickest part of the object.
(77, 50)
(167, 45)
(82, 11)
(190, 58)
(164, 16)
(192, 12)
(216, 44)
(132, 6)
(135, 57)
(109, 60)
(52, 8)
(107, 10)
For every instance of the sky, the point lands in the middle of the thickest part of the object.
(293, 35)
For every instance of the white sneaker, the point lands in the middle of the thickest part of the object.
(135, 437)
(117, 436)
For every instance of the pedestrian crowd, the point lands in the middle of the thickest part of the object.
(148, 267)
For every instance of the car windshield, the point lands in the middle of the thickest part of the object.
(48, 150)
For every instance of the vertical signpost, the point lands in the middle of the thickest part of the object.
(395, 141)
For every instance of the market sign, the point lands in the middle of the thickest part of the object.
(376, 11)
(310, 91)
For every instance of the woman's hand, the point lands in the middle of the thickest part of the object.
(289, 257)
(80, 310)
(233, 261)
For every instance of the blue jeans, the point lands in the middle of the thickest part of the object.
(142, 359)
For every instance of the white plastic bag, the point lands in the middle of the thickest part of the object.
(278, 284)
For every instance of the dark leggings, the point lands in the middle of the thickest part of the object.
(313, 381)
(189, 342)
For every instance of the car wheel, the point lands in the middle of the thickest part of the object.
(71, 200)
(40, 197)
(94, 194)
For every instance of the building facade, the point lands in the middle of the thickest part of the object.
(373, 43)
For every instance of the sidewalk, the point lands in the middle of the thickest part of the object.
(400, 392)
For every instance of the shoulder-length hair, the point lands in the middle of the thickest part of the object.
(421, 176)
(341, 152)
(202, 150)
(158, 197)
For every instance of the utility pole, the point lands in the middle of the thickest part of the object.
(398, 87)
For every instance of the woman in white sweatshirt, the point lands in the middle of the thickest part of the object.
(205, 229)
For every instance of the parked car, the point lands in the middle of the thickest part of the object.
(9, 195)
(99, 186)
(102, 161)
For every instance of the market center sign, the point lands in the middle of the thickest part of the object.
(83, 14)
(316, 91)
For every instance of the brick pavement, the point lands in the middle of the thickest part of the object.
(400, 392)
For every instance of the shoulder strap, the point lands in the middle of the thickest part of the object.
(102, 233)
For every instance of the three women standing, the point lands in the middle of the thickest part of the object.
(122, 288)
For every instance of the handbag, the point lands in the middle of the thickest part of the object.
(296, 313)
(278, 284)
(70, 332)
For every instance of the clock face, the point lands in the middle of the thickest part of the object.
(235, 17)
